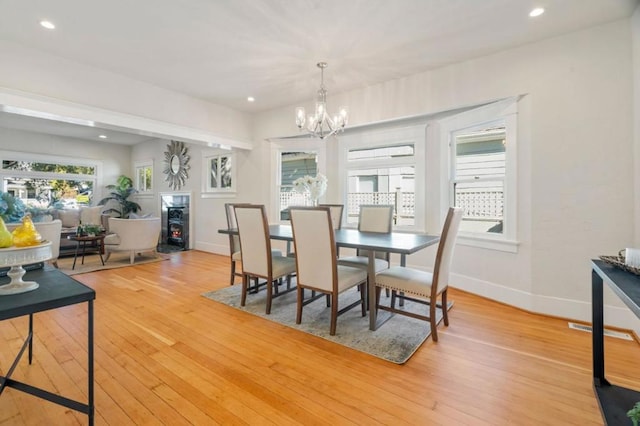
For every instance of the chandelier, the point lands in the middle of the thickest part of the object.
(320, 124)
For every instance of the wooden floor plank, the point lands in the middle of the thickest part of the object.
(166, 355)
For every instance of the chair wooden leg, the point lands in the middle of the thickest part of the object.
(328, 300)
(393, 299)
(363, 305)
(334, 314)
(432, 320)
(269, 294)
(445, 312)
(55, 263)
(233, 272)
(299, 307)
(245, 284)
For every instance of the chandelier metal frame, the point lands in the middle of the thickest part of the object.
(321, 124)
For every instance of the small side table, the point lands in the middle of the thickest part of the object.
(83, 240)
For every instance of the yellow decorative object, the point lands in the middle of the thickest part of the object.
(6, 239)
(26, 234)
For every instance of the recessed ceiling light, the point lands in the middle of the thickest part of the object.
(536, 12)
(48, 25)
(251, 99)
(102, 136)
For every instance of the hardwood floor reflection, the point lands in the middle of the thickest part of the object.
(166, 355)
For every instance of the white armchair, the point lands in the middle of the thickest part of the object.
(132, 235)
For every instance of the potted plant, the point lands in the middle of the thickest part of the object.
(120, 193)
(634, 414)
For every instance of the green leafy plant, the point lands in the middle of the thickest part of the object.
(634, 414)
(11, 209)
(120, 193)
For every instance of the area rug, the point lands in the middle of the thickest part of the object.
(395, 340)
(116, 260)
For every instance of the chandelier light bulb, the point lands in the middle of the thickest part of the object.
(321, 124)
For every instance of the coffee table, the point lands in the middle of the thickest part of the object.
(83, 240)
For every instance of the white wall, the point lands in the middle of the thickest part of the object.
(208, 213)
(575, 168)
(40, 73)
(115, 159)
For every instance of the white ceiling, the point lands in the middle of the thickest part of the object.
(225, 50)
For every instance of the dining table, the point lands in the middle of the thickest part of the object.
(402, 243)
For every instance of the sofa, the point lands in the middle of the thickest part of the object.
(71, 218)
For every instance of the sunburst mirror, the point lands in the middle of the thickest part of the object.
(176, 165)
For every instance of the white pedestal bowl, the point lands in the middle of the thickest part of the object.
(15, 257)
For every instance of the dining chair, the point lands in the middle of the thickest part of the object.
(316, 264)
(372, 218)
(336, 214)
(258, 260)
(234, 241)
(424, 287)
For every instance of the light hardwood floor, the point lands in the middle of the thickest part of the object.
(166, 355)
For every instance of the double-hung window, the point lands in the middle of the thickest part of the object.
(386, 167)
(481, 161)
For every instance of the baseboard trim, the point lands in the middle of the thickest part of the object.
(569, 309)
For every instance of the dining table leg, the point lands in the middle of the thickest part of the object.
(371, 296)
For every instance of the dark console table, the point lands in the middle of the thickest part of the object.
(614, 400)
(56, 290)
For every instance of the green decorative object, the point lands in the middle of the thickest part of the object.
(120, 193)
(634, 414)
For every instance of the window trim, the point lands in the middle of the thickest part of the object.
(280, 145)
(207, 190)
(505, 111)
(144, 164)
(55, 159)
(414, 134)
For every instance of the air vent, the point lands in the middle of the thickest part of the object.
(610, 333)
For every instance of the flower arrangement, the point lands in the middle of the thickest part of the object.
(315, 186)
(11, 209)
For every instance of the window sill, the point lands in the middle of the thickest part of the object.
(221, 194)
(145, 194)
(509, 246)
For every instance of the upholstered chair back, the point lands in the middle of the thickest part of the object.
(315, 247)
(234, 240)
(447, 243)
(375, 218)
(336, 214)
(254, 239)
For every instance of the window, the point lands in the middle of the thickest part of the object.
(381, 168)
(478, 177)
(481, 163)
(293, 158)
(52, 181)
(293, 165)
(218, 172)
(144, 176)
